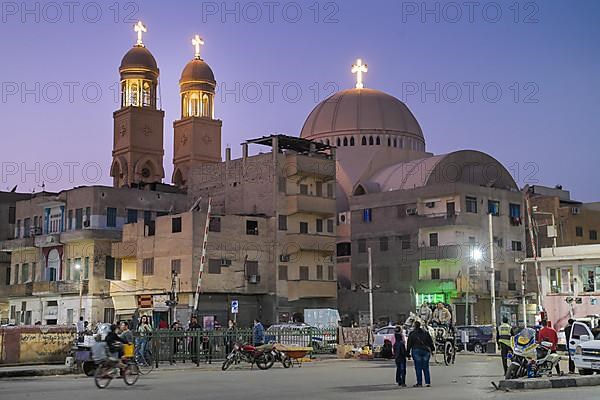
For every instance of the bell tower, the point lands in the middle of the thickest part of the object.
(197, 134)
(138, 148)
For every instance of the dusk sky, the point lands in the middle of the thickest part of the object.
(448, 68)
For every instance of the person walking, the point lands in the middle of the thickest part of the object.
(258, 333)
(503, 339)
(194, 338)
(400, 357)
(420, 346)
(145, 333)
(568, 330)
(549, 334)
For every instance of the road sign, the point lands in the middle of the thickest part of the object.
(235, 306)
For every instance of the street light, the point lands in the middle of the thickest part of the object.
(78, 268)
(476, 256)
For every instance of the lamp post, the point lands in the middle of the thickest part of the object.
(78, 268)
(492, 279)
(370, 291)
(476, 255)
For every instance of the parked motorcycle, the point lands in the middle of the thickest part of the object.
(529, 358)
(262, 356)
(281, 356)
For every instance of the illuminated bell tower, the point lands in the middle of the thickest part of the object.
(138, 148)
(197, 134)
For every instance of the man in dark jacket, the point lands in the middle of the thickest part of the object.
(420, 346)
(400, 356)
(568, 330)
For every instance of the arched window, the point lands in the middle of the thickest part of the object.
(395, 142)
(205, 106)
(146, 95)
(401, 143)
(389, 142)
(134, 95)
(124, 94)
(339, 142)
(377, 141)
(364, 141)
(194, 105)
(352, 141)
(327, 142)
(345, 141)
(370, 140)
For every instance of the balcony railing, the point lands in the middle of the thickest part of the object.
(59, 287)
(301, 241)
(19, 290)
(310, 204)
(15, 244)
(311, 289)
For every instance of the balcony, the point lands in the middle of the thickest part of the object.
(300, 241)
(49, 240)
(59, 287)
(21, 290)
(310, 204)
(126, 249)
(122, 287)
(317, 166)
(90, 234)
(311, 289)
(17, 244)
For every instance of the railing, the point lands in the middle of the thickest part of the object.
(214, 345)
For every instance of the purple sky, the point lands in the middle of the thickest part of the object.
(542, 55)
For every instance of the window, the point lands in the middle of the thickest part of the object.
(433, 240)
(16, 277)
(516, 245)
(176, 266)
(363, 141)
(282, 184)
(303, 189)
(109, 315)
(319, 189)
(367, 215)
(330, 273)
(404, 242)
(471, 204)
(319, 225)
(70, 219)
(590, 278)
(351, 141)
(88, 215)
(303, 227)
(111, 217)
(68, 269)
(18, 229)
(560, 280)
(283, 273)
(514, 210)
(319, 272)
(148, 266)
(214, 266)
(110, 268)
(12, 215)
(345, 141)
(578, 231)
(7, 276)
(578, 331)
(494, 207)
(283, 222)
(76, 272)
(362, 245)
(371, 141)
(176, 225)
(252, 227)
(132, 216)
(252, 268)
(70, 316)
(383, 243)
(593, 234)
(330, 190)
(25, 273)
(499, 241)
(378, 141)
(330, 225)
(86, 268)
(214, 225)
(435, 273)
(303, 273)
(343, 249)
(79, 218)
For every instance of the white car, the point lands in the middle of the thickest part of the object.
(585, 348)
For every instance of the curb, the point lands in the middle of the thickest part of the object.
(549, 383)
(35, 372)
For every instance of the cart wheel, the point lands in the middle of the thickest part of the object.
(286, 361)
(89, 368)
(448, 353)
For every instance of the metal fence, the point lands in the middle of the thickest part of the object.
(213, 345)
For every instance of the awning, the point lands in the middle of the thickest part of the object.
(124, 303)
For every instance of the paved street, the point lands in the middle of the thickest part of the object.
(468, 379)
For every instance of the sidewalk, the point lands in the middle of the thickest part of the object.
(34, 370)
(558, 382)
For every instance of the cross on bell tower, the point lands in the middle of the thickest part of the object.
(359, 68)
(197, 41)
(140, 29)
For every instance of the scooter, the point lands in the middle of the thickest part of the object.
(529, 358)
(262, 356)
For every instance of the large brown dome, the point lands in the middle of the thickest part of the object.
(197, 70)
(138, 57)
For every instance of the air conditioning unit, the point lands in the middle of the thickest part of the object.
(430, 204)
(253, 279)
(225, 262)
(284, 258)
(411, 211)
(575, 210)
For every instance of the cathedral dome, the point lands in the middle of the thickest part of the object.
(197, 74)
(360, 111)
(138, 58)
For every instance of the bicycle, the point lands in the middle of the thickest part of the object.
(109, 369)
(143, 361)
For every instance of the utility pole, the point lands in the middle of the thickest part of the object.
(523, 299)
(370, 291)
(202, 258)
(493, 278)
(533, 248)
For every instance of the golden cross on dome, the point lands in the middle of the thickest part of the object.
(139, 28)
(359, 68)
(197, 41)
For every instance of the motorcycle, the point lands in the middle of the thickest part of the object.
(281, 356)
(262, 356)
(528, 358)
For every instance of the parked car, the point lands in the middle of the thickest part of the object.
(381, 335)
(584, 345)
(562, 340)
(301, 334)
(479, 336)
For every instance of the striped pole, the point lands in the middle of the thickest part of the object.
(202, 258)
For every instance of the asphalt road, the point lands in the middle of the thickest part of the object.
(469, 378)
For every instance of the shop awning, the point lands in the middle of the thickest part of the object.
(123, 303)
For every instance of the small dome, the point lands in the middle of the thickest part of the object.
(197, 70)
(360, 110)
(138, 57)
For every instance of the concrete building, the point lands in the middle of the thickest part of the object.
(421, 214)
(570, 277)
